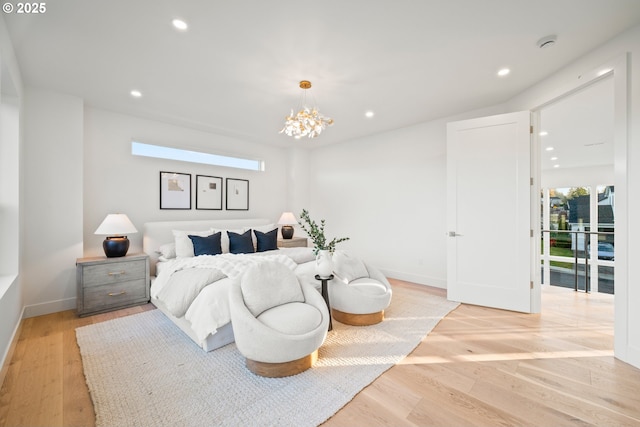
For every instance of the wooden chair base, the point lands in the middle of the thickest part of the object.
(358, 319)
(283, 369)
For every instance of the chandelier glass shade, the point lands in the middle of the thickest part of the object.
(307, 121)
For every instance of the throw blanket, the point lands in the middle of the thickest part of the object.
(182, 279)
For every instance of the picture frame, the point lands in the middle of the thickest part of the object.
(237, 191)
(175, 190)
(208, 192)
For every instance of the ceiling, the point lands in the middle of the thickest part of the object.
(579, 129)
(235, 71)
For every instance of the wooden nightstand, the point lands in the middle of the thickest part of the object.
(294, 242)
(106, 284)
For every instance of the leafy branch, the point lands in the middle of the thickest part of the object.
(316, 234)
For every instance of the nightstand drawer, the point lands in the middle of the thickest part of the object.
(115, 294)
(294, 242)
(115, 272)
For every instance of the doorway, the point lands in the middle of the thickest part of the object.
(576, 135)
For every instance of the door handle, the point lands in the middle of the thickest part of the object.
(454, 234)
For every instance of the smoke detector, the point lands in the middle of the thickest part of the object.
(547, 41)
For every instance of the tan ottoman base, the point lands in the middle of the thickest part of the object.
(283, 369)
(358, 319)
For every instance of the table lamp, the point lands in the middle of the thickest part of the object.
(115, 227)
(287, 219)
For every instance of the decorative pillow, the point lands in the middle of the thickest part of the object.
(184, 247)
(264, 228)
(225, 237)
(167, 251)
(240, 243)
(269, 284)
(209, 245)
(266, 241)
(347, 267)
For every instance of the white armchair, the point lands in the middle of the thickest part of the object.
(359, 293)
(278, 322)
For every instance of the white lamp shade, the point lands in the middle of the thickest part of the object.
(116, 225)
(287, 218)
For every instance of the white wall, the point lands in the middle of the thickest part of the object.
(115, 181)
(578, 177)
(387, 193)
(52, 192)
(11, 92)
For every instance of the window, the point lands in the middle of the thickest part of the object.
(160, 152)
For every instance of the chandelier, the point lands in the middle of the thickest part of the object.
(307, 121)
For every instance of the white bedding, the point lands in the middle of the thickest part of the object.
(197, 287)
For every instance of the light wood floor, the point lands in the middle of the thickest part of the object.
(478, 367)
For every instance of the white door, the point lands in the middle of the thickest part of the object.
(488, 211)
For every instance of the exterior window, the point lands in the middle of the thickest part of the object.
(160, 152)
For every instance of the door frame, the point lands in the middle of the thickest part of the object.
(618, 68)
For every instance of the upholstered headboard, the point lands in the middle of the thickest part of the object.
(159, 233)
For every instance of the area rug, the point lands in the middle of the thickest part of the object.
(142, 370)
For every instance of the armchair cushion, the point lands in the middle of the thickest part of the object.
(292, 319)
(259, 296)
(347, 267)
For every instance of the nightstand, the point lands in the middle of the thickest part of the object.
(294, 242)
(106, 284)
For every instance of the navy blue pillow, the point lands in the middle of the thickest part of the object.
(240, 243)
(267, 241)
(210, 245)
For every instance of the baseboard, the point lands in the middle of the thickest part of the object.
(49, 307)
(8, 355)
(415, 278)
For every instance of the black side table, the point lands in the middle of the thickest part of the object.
(325, 295)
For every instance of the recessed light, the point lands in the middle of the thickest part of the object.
(369, 114)
(543, 133)
(180, 24)
(503, 72)
(554, 159)
(136, 93)
(556, 166)
(549, 148)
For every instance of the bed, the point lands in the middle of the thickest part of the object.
(192, 291)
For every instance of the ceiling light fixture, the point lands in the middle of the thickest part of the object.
(307, 121)
(504, 72)
(543, 133)
(369, 114)
(549, 148)
(180, 24)
(136, 93)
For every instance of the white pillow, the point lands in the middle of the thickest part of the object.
(224, 240)
(269, 284)
(168, 250)
(184, 245)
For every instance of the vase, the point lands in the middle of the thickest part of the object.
(324, 264)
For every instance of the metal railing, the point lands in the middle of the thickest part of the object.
(587, 279)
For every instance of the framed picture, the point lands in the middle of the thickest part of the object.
(175, 190)
(237, 194)
(208, 192)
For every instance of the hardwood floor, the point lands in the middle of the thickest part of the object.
(478, 367)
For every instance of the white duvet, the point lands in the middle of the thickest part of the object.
(198, 287)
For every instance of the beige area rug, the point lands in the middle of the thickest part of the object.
(143, 371)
